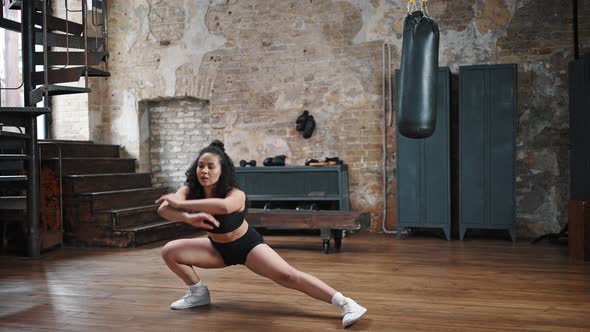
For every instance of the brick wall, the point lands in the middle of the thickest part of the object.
(178, 129)
(285, 57)
(261, 63)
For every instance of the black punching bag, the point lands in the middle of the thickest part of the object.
(416, 117)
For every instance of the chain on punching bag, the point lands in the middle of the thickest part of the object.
(416, 116)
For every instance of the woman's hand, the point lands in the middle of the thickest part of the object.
(201, 220)
(172, 199)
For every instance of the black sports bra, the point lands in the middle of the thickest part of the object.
(229, 222)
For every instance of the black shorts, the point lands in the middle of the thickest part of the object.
(236, 252)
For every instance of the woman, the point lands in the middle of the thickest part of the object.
(212, 201)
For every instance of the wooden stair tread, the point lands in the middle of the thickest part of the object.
(61, 142)
(156, 231)
(130, 216)
(130, 210)
(151, 225)
(53, 149)
(103, 175)
(88, 158)
(96, 193)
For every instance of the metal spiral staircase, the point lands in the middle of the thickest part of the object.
(77, 55)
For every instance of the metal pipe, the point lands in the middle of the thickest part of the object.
(576, 41)
(61, 200)
(105, 46)
(28, 47)
(386, 55)
(84, 23)
(45, 60)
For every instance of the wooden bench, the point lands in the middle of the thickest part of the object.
(330, 223)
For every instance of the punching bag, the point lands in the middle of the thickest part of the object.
(416, 106)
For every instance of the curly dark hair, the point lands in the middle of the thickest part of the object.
(227, 179)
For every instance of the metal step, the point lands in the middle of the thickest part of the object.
(13, 178)
(58, 75)
(20, 116)
(58, 141)
(59, 24)
(14, 166)
(95, 72)
(10, 144)
(55, 90)
(24, 110)
(13, 156)
(70, 58)
(13, 203)
(67, 75)
(13, 135)
(17, 5)
(62, 40)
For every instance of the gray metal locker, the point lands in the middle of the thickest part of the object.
(487, 123)
(423, 170)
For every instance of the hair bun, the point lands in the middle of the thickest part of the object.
(218, 144)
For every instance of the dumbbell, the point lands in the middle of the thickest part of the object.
(275, 161)
(244, 163)
(307, 207)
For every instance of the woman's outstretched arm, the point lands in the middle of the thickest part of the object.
(233, 202)
(200, 220)
(170, 213)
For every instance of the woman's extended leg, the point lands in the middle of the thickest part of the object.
(181, 256)
(264, 261)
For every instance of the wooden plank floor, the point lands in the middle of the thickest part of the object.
(413, 284)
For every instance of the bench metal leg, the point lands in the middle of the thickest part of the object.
(337, 238)
(326, 235)
(326, 246)
(4, 238)
(338, 243)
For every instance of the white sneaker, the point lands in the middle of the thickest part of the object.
(193, 298)
(351, 312)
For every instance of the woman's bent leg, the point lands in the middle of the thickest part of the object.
(182, 255)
